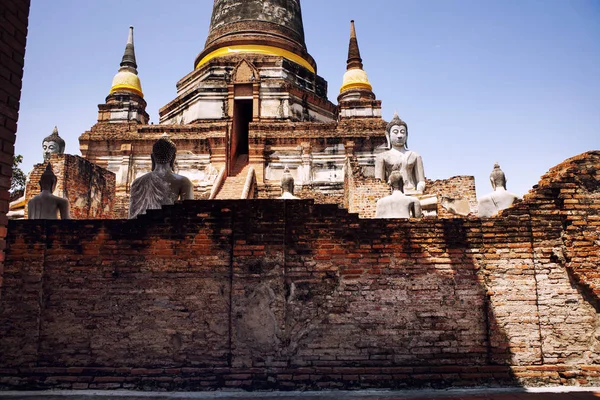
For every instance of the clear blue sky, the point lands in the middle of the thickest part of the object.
(514, 81)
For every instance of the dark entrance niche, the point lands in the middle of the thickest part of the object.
(242, 116)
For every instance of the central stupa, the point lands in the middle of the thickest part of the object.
(255, 62)
(271, 27)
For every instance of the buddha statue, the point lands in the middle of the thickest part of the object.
(46, 205)
(398, 157)
(53, 144)
(287, 185)
(161, 186)
(398, 205)
(500, 198)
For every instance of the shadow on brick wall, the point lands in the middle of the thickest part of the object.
(273, 294)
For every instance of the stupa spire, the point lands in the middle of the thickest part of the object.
(269, 27)
(127, 79)
(354, 60)
(128, 60)
(355, 77)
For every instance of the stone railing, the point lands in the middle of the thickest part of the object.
(218, 183)
(249, 184)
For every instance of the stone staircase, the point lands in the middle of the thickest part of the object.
(233, 186)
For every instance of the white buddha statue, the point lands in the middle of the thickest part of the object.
(398, 205)
(398, 157)
(500, 198)
(287, 185)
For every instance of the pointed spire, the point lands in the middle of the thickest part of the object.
(127, 78)
(128, 60)
(354, 60)
(355, 76)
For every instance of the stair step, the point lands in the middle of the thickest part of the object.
(233, 186)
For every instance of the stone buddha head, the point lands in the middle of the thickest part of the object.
(163, 152)
(53, 144)
(396, 181)
(48, 179)
(497, 177)
(397, 133)
(287, 181)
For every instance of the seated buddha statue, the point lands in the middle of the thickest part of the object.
(46, 205)
(500, 198)
(161, 186)
(287, 185)
(398, 157)
(398, 205)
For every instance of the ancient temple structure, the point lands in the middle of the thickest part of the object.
(253, 104)
(296, 294)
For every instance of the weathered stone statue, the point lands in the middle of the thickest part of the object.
(500, 198)
(53, 144)
(398, 205)
(398, 157)
(161, 186)
(287, 185)
(46, 205)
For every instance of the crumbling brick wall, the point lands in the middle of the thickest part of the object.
(291, 294)
(89, 188)
(457, 187)
(361, 193)
(14, 18)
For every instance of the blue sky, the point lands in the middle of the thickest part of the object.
(513, 81)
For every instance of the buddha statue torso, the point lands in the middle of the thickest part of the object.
(398, 157)
(398, 205)
(161, 186)
(500, 199)
(409, 163)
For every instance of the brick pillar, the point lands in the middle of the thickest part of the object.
(14, 16)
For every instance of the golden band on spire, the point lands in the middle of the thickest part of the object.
(256, 49)
(355, 79)
(127, 81)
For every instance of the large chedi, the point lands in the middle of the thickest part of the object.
(277, 79)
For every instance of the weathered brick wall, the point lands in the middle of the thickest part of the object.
(569, 195)
(361, 193)
(305, 192)
(457, 187)
(292, 294)
(14, 18)
(89, 188)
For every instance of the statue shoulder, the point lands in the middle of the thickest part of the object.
(412, 156)
(182, 178)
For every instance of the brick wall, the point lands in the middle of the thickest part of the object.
(361, 193)
(333, 195)
(291, 294)
(14, 15)
(457, 187)
(90, 189)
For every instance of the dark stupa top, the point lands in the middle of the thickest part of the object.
(272, 27)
